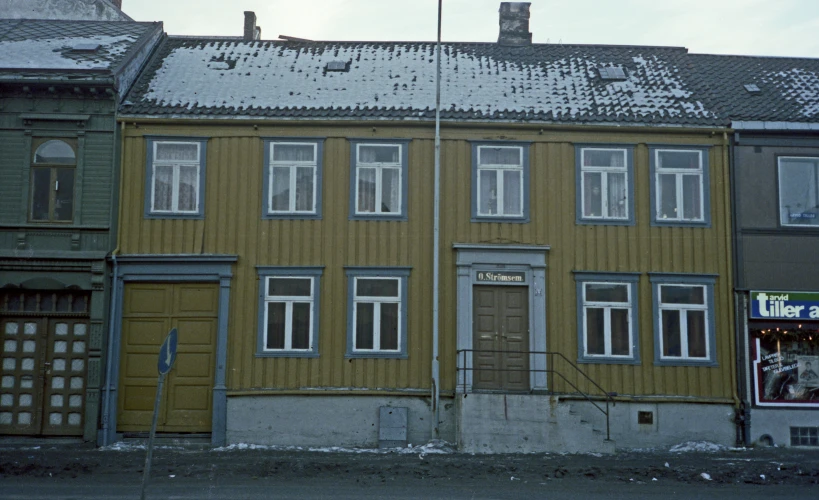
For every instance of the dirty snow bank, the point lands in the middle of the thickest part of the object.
(698, 446)
(431, 448)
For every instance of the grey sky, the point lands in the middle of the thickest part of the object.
(752, 27)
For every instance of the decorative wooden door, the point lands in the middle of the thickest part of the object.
(501, 338)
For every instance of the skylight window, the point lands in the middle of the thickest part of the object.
(336, 66)
(612, 73)
(752, 88)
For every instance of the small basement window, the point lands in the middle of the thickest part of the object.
(804, 436)
(612, 73)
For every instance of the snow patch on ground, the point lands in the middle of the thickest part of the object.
(431, 448)
(123, 446)
(689, 446)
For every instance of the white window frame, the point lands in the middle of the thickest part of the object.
(679, 173)
(607, 307)
(379, 172)
(176, 165)
(498, 169)
(604, 171)
(377, 301)
(782, 216)
(683, 309)
(293, 167)
(289, 300)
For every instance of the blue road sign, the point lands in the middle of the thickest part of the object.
(167, 353)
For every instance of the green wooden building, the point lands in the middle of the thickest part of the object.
(60, 85)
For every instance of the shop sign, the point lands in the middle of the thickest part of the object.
(785, 305)
(501, 277)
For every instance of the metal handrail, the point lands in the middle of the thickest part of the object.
(606, 395)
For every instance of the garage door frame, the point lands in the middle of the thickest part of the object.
(178, 269)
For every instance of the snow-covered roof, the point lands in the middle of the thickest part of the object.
(28, 47)
(480, 81)
(74, 10)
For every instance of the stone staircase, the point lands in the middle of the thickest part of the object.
(526, 423)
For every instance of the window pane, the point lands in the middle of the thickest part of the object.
(389, 327)
(799, 191)
(671, 333)
(379, 154)
(289, 287)
(511, 192)
(668, 197)
(40, 193)
(304, 189)
(55, 151)
(390, 185)
(301, 325)
(376, 288)
(679, 159)
(488, 192)
(499, 156)
(293, 152)
(679, 294)
(275, 325)
(692, 197)
(64, 195)
(188, 188)
(620, 342)
(366, 190)
(595, 331)
(618, 196)
(169, 151)
(696, 334)
(592, 194)
(280, 190)
(603, 158)
(606, 292)
(163, 188)
(364, 326)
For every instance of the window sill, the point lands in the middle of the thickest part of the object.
(602, 360)
(605, 222)
(291, 216)
(174, 216)
(376, 355)
(285, 354)
(507, 220)
(680, 223)
(686, 362)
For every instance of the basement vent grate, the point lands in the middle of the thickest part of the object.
(804, 436)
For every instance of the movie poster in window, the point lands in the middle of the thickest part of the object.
(786, 373)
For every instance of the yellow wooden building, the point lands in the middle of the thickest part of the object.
(278, 209)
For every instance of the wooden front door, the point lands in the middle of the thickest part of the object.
(501, 338)
(43, 380)
(150, 310)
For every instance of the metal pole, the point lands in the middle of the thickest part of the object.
(147, 469)
(436, 392)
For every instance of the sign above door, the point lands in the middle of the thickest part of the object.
(500, 277)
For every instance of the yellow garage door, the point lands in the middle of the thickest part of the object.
(150, 310)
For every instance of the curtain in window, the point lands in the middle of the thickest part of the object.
(280, 189)
(592, 194)
(488, 187)
(390, 185)
(500, 156)
(378, 154)
(170, 151)
(188, 181)
(293, 152)
(366, 190)
(304, 189)
(163, 188)
(692, 197)
(512, 192)
(617, 195)
(668, 197)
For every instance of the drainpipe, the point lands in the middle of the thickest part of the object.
(106, 407)
(436, 390)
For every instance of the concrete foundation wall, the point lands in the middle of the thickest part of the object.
(348, 421)
(672, 423)
(777, 423)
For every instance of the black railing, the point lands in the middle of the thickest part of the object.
(550, 369)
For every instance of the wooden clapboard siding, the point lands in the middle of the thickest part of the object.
(233, 225)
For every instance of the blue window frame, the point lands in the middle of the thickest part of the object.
(377, 312)
(680, 188)
(288, 311)
(292, 178)
(175, 178)
(607, 316)
(684, 325)
(605, 184)
(379, 179)
(500, 182)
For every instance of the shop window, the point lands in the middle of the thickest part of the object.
(175, 178)
(680, 188)
(53, 168)
(684, 320)
(377, 312)
(605, 185)
(500, 186)
(799, 192)
(288, 311)
(293, 179)
(607, 318)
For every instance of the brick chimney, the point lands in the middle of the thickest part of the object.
(252, 32)
(514, 24)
